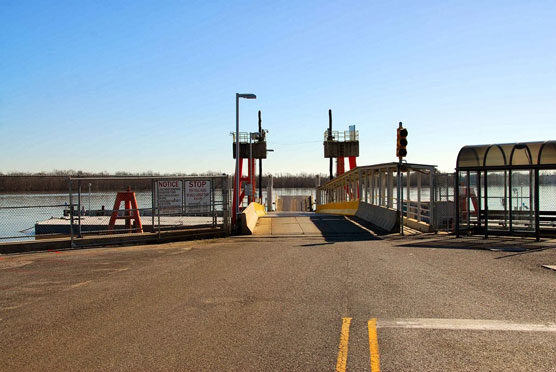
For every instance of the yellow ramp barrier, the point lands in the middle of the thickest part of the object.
(259, 209)
(250, 216)
(345, 208)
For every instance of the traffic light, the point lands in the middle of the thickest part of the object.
(401, 144)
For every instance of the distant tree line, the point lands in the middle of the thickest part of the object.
(519, 178)
(290, 181)
(57, 181)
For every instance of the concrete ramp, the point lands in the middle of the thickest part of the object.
(308, 223)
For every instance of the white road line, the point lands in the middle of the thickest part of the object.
(80, 284)
(467, 324)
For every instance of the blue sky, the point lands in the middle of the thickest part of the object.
(150, 85)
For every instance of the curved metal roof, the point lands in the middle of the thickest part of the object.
(507, 155)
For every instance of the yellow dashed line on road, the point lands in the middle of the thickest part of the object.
(343, 348)
(373, 346)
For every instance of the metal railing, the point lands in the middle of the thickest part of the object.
(427, 194)
(245, 137)
(345, 136)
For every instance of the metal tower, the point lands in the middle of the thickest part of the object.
(339, 145)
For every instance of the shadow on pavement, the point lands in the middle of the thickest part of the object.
(497, 244)
(335, 228)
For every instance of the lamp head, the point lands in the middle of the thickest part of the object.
(246, 95)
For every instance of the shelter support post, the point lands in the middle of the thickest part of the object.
(456, 200)
(537, 208)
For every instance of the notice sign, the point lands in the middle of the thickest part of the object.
(197, 196)
(170, 196)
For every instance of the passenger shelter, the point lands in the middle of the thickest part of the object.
(507, 189)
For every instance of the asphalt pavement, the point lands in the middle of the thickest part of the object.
(286, 302)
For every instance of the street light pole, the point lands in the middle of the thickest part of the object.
(251, 168)
(238, 96)
(260, 163)
(237, 157)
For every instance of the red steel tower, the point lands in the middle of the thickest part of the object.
(252, 146)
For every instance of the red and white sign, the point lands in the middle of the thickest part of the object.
(197, 195)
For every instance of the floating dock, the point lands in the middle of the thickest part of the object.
(99, 224)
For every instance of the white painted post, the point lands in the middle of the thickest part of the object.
(376, 188)
(341, 191)
(359, 189)
(373, 187)
(419, 196)
(408, 193)
(389, 197)
(384, 186)
(380, 187)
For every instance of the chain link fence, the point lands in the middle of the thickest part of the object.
(94, 206)
(19, 212)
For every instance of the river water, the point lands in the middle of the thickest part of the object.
(20, 212)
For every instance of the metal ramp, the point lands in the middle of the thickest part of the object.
(311, 224)
(293, 203)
